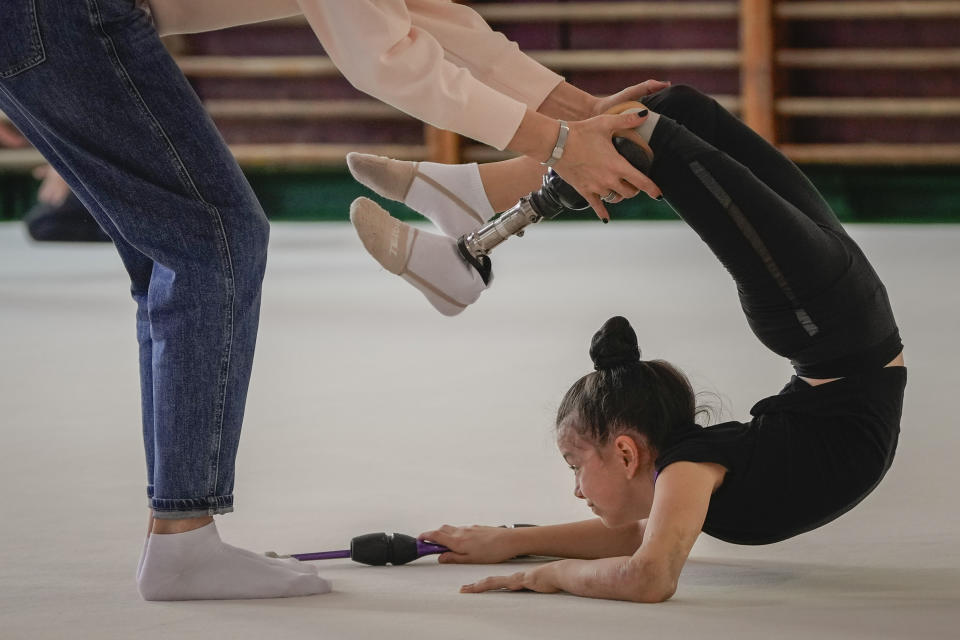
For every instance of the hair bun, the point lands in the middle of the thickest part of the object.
(614, 345)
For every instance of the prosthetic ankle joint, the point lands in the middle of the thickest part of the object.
(552, 199)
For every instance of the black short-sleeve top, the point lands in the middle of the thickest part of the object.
(809, 455)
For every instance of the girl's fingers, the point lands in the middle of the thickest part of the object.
(432, 536)
(513, 583)
(444, 535)
(486, 584)
(452, 557)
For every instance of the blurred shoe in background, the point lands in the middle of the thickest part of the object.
(59, 216)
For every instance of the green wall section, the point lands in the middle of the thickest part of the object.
(857, 194)
(17, 193)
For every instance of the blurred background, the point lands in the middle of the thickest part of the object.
(362, 416)
(863, 94)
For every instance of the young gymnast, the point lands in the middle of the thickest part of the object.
(653, 476)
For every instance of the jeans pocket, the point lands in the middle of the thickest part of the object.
(21, 46)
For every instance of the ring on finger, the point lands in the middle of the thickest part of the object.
(611, 196)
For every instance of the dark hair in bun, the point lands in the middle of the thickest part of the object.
(614, 345)
(625, 393)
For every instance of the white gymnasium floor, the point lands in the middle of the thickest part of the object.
(368, 412)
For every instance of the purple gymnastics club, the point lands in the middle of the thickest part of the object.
(377, 549)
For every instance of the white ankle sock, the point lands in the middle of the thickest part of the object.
(428, 261)
(143, 554)
(437, 270)
(450, 195)
(197, 565)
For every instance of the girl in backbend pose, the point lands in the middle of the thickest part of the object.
(654, 477)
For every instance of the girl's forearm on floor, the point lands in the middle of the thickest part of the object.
(588, 539)
(620, 578)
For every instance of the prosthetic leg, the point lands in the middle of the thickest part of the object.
(552, 199)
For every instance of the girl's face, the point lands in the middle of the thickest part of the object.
(615, 479)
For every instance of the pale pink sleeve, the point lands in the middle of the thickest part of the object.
(468, 41)
(380, 51)
(191, 16)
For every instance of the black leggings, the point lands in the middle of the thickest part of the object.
(807, 290)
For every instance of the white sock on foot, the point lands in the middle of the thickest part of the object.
(450, 195)
(646, 128)
(197, 565)
(292, 563)
(143, 554)
(428, 261)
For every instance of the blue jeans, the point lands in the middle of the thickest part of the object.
(89, 83)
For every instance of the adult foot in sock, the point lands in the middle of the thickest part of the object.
(146, 540)
(449, 195)
(428, 261)
(197, 565)
(291, 563)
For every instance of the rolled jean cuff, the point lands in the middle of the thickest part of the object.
(166, 509)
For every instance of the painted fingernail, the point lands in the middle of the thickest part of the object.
(606, 220)
(660, 197)
(642, 114)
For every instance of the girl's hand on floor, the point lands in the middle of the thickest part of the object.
(539, 580)
(634, 92)
(472, 545)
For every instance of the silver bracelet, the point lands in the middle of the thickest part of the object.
(558, 148)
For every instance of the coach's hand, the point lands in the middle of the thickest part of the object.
(635, 92)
